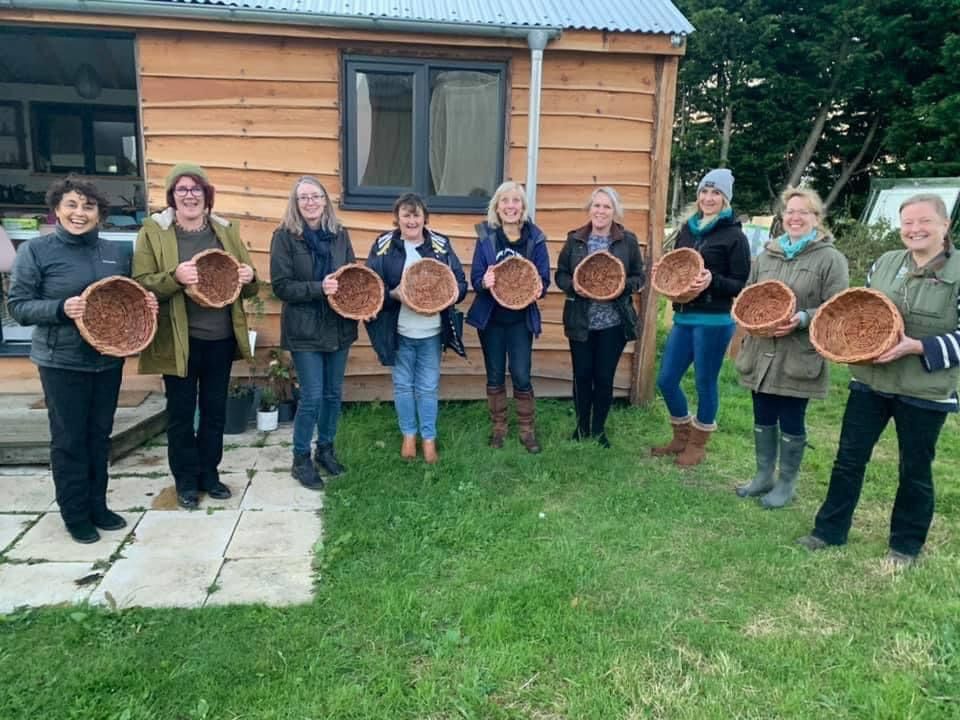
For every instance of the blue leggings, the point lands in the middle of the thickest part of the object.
(703, 346)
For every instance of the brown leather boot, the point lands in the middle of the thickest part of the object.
(696, 449)
(681, 431)
(526, 411)
(408, 451)
(497, 404)
(430, 452)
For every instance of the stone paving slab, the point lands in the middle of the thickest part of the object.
(274, 533)
(157, 582)
(26, 493)
(11, 526)
(238, 486)
(275, 458)
(49, 540)
(143, 460)
(239, 460)
(14, 470)
(135, 491)
(271, 581)
(48, 583)
(196, 535)
(279, 491)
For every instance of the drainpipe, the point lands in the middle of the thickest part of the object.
(537, 40)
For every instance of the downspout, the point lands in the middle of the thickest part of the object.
(537, 40)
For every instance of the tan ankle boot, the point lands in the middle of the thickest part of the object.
(497, 405)
(696, 449)
(408, 451)
(681, 431)
(430, 452)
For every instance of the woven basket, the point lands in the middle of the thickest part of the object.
(517, 283)
(429, 286)
(219, 279)
(856, 325)
(599, 276)
(117, 320)
(676, 272)
(760, 309)
(359, 294)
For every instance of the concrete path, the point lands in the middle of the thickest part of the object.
(256, 547)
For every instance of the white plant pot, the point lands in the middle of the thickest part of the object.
(252, 337)
(267, 421)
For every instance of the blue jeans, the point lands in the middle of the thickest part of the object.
(416, 384)
(511, 342)
(704, 346)
(321, 387)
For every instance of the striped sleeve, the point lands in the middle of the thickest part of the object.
(942, 351)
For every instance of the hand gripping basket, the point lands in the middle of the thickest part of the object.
(676, 272)
(856, 325)
(219, 277)
(117, 320)
(517, 283)
(359, 294)
(599, 276)
(761, 308)
(429, 286)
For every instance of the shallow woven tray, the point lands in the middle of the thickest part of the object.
(676, 272)
(429, 286)
(600, 276)
(761, 308)
(856, 325)
(517, 283)
(219, 277)
(359, 294)
(117, 320)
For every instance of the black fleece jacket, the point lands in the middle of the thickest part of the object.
(726, 254)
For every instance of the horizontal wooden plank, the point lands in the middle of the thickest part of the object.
(619, 42)
(589, 71)
(239, 181)
(159, 90)
(554, 196)
(298, 155)
(585, 132)
(594, 102)
(263, 122)
(598, 167)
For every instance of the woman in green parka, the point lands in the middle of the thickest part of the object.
(784, 371)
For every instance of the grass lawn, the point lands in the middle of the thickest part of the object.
(580, 583)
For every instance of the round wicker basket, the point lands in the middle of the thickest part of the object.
(761, 308)
(429, 286)
(359, 294)
(117, 320)
(676, 272)
(599, 276)
(219, 284)
(856, 325)
(517, 283)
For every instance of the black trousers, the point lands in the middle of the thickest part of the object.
(594, 364)
(195, 455)
(80, 410)
(864, 419)
(790, 412)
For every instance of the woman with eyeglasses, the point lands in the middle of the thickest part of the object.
(914, 383)
(195, 346)
(307, 248)
(784, 371)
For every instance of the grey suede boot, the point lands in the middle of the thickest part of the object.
(791, 455)
(765, 440)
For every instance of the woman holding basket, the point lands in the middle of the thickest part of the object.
(783, 371)
(914, 383)
(506, 334)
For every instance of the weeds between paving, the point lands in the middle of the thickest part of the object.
(580, 583)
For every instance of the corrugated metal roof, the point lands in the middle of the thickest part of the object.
(644, 16)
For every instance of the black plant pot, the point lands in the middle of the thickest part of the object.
(287, 411)
(238, 414)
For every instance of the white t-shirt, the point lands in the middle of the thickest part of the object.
(412, 324)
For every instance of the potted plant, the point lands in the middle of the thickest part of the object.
(239, 402)
(267, 414)
(280, 377)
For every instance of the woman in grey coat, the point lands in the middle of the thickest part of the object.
(785, 371)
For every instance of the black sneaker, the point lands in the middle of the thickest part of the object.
(325, 457)
(218, 491)
(188, 499)
(602, 440)
(107, 520)
(305, 473)
(83, 531)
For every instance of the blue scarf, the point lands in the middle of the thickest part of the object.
(792, 248)
(700, 230)
(319, 242)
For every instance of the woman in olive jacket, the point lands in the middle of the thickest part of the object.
(598, 331)
(784, 371)
(309, 245)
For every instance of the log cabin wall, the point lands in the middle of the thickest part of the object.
(257, 111)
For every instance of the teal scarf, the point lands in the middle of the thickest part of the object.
(792, 248)
(694, 222)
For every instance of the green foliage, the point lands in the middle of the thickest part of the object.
(280, 375)
(268, 399)
(863, 244)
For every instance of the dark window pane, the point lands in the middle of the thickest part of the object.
(115, 147)
(384, 117)
(464, 132)
(64, 136)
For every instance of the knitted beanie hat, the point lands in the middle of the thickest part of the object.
(721, 180)
(181, 169)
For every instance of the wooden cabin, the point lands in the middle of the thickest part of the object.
(375, 101)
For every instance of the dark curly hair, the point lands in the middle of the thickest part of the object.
(80, 185)
(208, 191)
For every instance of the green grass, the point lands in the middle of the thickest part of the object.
(580, 583)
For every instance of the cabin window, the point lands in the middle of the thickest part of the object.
(91, 139)
(428, 126)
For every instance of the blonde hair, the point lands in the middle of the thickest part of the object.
(694, 208)
(493, 219)
(814, 204)
(292, 220)
(614, 200)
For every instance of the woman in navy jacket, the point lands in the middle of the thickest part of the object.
(507, 335)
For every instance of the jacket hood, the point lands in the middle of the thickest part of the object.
(166, 217)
